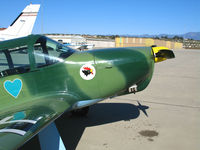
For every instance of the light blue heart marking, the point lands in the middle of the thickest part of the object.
(19, 115)
(13, 87)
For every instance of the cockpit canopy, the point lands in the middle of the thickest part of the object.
(27, 54)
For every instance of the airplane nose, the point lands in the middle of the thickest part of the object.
(121, 68)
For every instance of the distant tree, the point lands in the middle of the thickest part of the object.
(98, 36)
(164, 37)
(191, 39)
(113, 36)
(177, 37)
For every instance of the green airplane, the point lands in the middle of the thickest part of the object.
(40, 79)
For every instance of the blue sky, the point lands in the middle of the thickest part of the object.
(109, 16)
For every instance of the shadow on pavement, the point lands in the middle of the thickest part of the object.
(71, 128)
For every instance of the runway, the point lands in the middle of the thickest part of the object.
(171, 103)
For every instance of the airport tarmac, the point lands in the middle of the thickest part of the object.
(171, 122)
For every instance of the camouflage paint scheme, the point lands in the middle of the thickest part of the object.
(47, 92)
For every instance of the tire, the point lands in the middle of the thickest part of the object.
(81, 112)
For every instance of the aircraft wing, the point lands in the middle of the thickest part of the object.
(18, 124)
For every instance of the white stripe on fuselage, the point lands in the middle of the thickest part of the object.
(16, 131)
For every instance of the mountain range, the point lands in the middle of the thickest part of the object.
(192, 35)
(189, 35)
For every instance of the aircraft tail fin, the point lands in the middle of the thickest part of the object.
(23, 24)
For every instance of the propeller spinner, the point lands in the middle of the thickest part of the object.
(162, 53)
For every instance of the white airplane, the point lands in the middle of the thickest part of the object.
(81, 46)
(22, 25)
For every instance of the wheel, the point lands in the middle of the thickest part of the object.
(80, 112)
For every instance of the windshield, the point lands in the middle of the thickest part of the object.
(16, 60)
(49, 52)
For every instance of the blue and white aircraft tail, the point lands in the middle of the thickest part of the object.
(22, 25)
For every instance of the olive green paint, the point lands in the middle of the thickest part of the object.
(49, 91)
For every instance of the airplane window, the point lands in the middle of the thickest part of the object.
(39, 55)
(3, 62)
(53, 51)
(58, 51)
(49, 52)
(20, 57)
(14, 61)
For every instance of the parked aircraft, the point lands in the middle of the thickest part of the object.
(40, 79)
(22, 25)
(83, 46)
